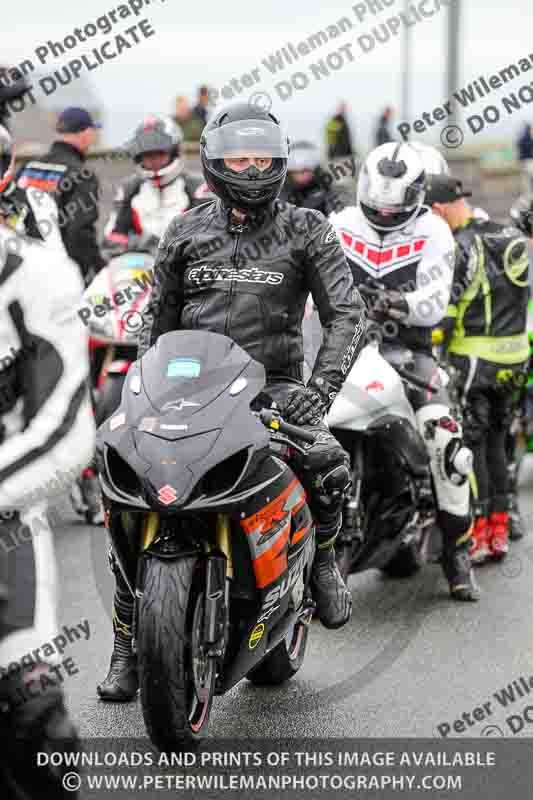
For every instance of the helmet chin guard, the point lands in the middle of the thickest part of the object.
(164, 176)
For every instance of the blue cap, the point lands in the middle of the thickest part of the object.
(75, 120)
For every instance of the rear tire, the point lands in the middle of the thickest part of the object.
(406, 563)
(285, 659)
(169, 610)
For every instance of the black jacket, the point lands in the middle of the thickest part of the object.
(491, 286)
(76, 191)
(318, 195)
(251, 284)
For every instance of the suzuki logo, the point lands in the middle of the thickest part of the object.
(375, 386)
(167, 494)
(179, 405)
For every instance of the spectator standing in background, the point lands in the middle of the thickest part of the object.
(190, 123)
(338, 135)
(383, 134)
(525, 156)
(201, 109)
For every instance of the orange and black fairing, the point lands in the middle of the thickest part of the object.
(276, 527)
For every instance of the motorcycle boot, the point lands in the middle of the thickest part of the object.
(457, 566)
(332, 598)
(499, 534)
(479, 545)
(517, 528)
(122, 682)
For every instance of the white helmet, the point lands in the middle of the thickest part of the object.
(432, 159)
(390, 189)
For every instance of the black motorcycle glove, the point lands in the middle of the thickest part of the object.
(305, 406)
(392, 304)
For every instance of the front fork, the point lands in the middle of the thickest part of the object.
(218, 575)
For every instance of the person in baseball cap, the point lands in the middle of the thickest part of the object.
(64, 172)
(75, 120)
(443, 189)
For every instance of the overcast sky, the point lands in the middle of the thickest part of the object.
(214, 42)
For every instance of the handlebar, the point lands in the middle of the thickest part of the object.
(272, 420)
(410, 378)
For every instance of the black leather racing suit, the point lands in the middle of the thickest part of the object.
(251, 284)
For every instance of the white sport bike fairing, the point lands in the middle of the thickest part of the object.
(374, 421)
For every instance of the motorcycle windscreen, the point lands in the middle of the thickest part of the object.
(185, 371)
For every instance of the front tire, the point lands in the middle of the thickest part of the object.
(177, 681)
(285, 659)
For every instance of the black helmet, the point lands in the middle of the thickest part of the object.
(158, 134)
(7, 159)
(237, 131)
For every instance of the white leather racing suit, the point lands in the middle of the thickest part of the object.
(46, 423)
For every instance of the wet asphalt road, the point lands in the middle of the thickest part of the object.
(408, 661)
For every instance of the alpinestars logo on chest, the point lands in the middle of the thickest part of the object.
(380, 261)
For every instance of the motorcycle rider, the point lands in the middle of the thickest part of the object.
(243, 266)
(308, 185)
(29, 212)
(46, 430)
(147, 201)
(486, 342)
(393, 242)
(64, 172)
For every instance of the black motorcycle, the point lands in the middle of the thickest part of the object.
(210, 527)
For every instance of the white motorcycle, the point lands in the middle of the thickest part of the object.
(389, 511)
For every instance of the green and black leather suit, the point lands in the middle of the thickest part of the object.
(486, 341)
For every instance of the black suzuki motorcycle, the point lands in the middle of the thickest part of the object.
(210, 527)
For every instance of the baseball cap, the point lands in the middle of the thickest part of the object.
(443, 189)
(75, 120)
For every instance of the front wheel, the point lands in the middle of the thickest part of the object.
(285, 659)
(176, 677)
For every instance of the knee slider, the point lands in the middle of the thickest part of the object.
(337, 481)
(443, 437)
